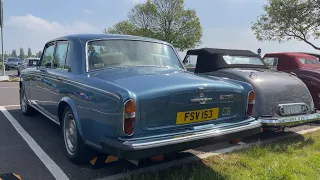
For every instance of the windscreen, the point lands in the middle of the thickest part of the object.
(114, 53)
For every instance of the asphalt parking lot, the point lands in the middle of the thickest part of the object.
(33, 147)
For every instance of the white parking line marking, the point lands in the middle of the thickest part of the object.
(9, 87)
(46, 160)
(167, 165)
(11, 106)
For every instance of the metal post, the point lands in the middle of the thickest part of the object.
(1, 24)
(3, 65)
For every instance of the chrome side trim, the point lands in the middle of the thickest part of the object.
(106, 39)
(196, 136)
(80, 84)
(290, 120)
(58, 123)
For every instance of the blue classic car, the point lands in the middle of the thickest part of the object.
(131, 97)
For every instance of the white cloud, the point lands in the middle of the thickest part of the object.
(31, 31)
(238, 38)
(87, 11)
(135, 1)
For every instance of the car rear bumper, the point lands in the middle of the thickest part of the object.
(290, 120)
(12, 66)
(139, 149)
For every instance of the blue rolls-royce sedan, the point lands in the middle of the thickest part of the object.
(131, 97)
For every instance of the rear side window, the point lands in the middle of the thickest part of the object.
(309, 61)
(271, 61)
(60, 54)
(191, 61)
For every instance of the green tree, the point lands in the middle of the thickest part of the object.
(6, 55)
(29, 52)
(284, 20)
(14, 53)
(38, 54)
(162, 19)
(21, 55)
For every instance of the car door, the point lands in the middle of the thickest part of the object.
(41, 93)
(55, 77)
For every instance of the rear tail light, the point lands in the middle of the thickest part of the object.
(251, 101)
(129, 117)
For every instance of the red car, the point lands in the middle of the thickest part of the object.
(304, 66)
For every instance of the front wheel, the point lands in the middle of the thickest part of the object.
(75, 148)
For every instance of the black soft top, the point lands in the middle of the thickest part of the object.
(211, 59)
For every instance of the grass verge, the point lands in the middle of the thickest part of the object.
(289, 159)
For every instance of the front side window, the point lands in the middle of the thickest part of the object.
(242, 60)
(33, 62)
(115, 53)
(309, 61)
(48, 55)
(60, 54)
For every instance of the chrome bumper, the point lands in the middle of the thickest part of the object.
(141, 148)
(197, 136)
(290, 120)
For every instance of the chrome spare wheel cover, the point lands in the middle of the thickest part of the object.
(23, 101)
(70, 133)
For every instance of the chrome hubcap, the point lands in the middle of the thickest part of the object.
(23, 102)
(70, 133)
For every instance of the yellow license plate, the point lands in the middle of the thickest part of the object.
(197, 116)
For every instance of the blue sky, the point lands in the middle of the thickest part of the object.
(226, 23)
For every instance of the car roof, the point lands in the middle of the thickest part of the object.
(210, 59)
(33, 58)
(295, 54)
(88, 37)
(231, 52)
(16, 58)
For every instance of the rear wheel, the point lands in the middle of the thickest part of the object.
(75, 148)
(26, 109)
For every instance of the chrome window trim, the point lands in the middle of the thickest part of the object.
(81, 84)
(126, 39)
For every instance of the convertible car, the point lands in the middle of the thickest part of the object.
(132, 98)
(282, 99)
(304, 66)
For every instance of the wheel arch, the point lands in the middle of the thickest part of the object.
(65, 102)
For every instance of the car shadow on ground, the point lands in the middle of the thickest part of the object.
(284, 140)
(196, 169)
